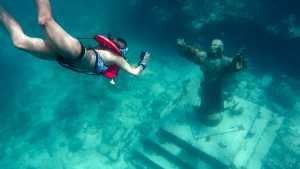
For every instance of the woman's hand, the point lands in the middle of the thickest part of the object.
(144, 59)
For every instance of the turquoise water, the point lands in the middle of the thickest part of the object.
(53, 118)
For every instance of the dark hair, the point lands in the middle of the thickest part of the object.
(114, 39)
(122, 41)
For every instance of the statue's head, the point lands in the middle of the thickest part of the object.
(216, 48)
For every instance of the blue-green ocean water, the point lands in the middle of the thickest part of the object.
(53, 118)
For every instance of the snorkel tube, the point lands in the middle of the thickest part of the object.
(106, 42)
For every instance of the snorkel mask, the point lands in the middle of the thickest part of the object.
(124, 51)
(121, 43)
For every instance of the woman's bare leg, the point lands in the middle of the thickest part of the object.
(64, 43)
(35, 46)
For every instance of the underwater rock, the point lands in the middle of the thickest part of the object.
(197, 25)
(295, 31)
(279, 18)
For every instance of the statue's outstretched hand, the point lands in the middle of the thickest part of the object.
(239, 61)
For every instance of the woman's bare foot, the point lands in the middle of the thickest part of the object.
(44, 11)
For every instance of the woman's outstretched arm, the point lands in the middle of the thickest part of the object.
(122, 63)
